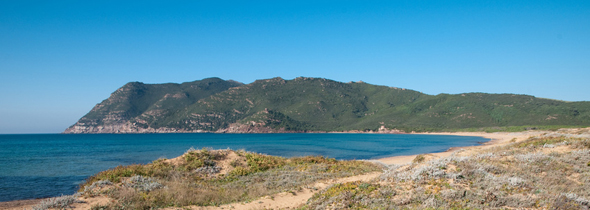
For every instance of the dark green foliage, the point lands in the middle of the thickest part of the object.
(276, 120)
(315, 104)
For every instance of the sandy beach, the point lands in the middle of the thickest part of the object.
(497, 139)
(288, 200)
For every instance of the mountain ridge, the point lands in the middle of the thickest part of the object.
(307, 104)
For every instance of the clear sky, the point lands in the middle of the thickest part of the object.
(60, 58)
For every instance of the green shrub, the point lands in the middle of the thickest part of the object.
(312, 160)
(239, 171)
(258, 162)
(62, 202)
(114, 175)
(539, 142)
(352, 195)
(419, 159)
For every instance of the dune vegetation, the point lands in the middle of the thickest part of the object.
(212, 177)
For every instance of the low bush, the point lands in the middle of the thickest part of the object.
(353, 195)
(312, 160)
(62, 202)
(419, 159)
(143, 184)
(540, 142)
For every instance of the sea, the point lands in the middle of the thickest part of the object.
(49, 165)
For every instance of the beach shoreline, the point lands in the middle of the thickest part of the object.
(496, 139)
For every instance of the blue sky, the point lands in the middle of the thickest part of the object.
(60, 58)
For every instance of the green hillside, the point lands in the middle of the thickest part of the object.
(475, 110)
(149, 104)
(316, 104)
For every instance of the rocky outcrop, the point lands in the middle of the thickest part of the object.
(124, 128)
(253, 128)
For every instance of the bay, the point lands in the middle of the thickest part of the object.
(47, 165)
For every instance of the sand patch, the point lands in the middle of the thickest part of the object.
(20, 204)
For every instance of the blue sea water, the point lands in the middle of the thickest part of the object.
(47, 165)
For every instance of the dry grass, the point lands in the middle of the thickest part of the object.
(196, 179)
